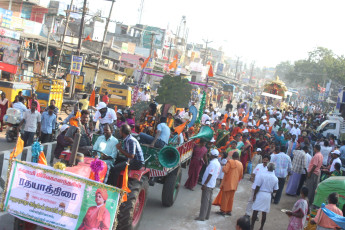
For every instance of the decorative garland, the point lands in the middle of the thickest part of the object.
(96, 167)
(201, 108)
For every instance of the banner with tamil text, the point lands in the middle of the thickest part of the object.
(60, 200)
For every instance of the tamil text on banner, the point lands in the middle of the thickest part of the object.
(76, 65)
(58, 199)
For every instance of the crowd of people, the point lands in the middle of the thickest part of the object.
(278, 148)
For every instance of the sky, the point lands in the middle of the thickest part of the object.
(265, 31)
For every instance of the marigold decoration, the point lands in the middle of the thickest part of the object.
(96, 167)
(60, 166)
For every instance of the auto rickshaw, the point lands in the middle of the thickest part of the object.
(47, 90)
(11, 89)
(79, 83)
(326, 187)
(119, 94)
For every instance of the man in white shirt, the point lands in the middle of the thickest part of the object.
(272, 120)
(32, 119)
(336, 159)
(20, 106)
(205, 117)
(105, 115)
(259, 169)
(208, 183)
(267, 183)
(145, 96)
(325, 150)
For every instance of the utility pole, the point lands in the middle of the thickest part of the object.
(81, 32)
(47, 47)
(169, 55)
(102, 47)
(63, 40)
(238, 59)
(151, 50)
(206, 51)
(10, 5)
(251, 71)
(141, 11)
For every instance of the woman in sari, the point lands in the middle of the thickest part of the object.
(198, 159)
(299, 212)
(97, 217)
(148, 120)
(3, 109)
(246, 152)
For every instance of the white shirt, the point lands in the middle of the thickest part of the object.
(109, 117)
(262, 127)
(307, 162)
(214, 169)
(64, 84)
(260, 168)
(31, 120)
(204, 118)
(268, 182)
(271, 121)
(144, 97)
(337, 160)
(325, 152)
(21, 107)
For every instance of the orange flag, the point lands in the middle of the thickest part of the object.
(225, 117)
(18, 149)
(258, 123)
(245, 119)
(210, 71)
(173, 64)
(92, 98)
(145, 62)
(88, 38)
(270, 129)
(180, 128)
(42, 159)
(125, 184)
(214, 228)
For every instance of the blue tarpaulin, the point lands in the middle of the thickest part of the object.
(339, 220)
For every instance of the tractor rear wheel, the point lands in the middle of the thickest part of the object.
(131, 211)
(171, 187)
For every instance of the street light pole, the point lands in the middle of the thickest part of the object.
(63, 40)
(102, 47)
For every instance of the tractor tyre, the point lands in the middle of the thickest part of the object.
(131, 211)
(171, 187)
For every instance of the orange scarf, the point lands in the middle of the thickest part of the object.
(74, 120)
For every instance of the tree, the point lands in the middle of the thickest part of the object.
(174, 91)
(283, 70)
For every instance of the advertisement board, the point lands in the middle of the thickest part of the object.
(9, 50)
(77, 62)
(60, 200)
(158, 38)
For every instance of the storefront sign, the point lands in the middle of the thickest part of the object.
(59, 200)
(9, 50)
(77, 62)
(9, 33)
(8, 68)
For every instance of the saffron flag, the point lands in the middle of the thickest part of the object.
(210, 71)
(270, 129)
(18, 149)
(92, 98)
(42, 159)
(258, 123)
(88, 38)
(180, 128)
(145, 62)
(125, 184)
(225, 117)
(173, 64)
(245, 119)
